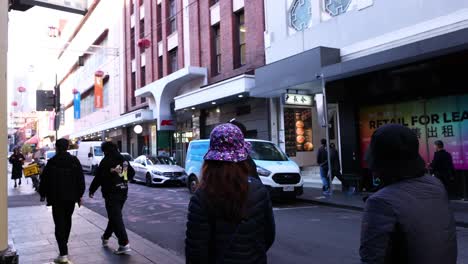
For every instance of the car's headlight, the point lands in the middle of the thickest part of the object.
(157, 172)
(263, 172)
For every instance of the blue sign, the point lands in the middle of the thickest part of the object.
(77, 105)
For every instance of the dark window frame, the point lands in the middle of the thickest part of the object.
(173, 60)
(142, 28)
(172, 16)
(240, 39)
(216, 49)
(133, 89)
(132, 43)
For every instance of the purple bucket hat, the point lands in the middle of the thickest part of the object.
(227, 144)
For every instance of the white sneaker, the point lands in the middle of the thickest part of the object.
(105, 242)
(122, 250)
(61, 259)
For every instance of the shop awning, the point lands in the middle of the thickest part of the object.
(293, 72)
(136, 117)
(216, 92)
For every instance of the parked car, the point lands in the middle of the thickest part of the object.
(90, 155)
(158, 170)
(277, 172)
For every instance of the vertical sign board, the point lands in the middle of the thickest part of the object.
(444, 118)
(98, 91)
(77, 106)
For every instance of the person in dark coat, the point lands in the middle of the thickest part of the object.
(63, 185)
(230, 218)
(322, 161)
(408, 220)
(336, 166)
(442, 165)
(251, 163)
(17, 161)
(112, 175)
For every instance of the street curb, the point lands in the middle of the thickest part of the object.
(356, 208)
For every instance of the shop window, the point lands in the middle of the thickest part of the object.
(142, 28)
(243, 110)
(173, 62)
(133, 88)
(172, 17)
(132, 43)
(298, 130)
(240, 53)
(216, 45)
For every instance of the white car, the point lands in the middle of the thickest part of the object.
(158, 170)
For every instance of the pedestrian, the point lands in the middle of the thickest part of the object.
(336, 166)
(251, 163)
(442, 165)
(112, 175)
(322, 161)
(408, 220)
(230, 218)
(63, 185)
(17, 161)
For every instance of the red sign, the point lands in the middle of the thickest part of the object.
(98, 87)
(167, 122)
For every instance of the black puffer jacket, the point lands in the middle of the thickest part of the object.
(209, 240)
(409, 222)
(62, 179)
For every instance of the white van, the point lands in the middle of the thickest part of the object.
(90, 155)
(277, 172)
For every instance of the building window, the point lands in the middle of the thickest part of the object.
(214, 2)
(132, 7)
(173, 63)
(172, 17)
(142, 28)
(241, 29)
(143, 76)
(105, 94)
(216, 50)
(158, 22)
(160, 67)
(141, 2)
(132, 43)
(133, 86)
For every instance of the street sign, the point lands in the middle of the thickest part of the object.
(45, 100)
(72, 6)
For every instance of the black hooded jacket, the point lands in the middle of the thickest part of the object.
(211, 240)
(62, 179)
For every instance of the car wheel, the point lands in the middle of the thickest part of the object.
(192, 184)
(148, 180)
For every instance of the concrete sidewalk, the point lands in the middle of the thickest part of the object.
(31, 229)
(355, 201)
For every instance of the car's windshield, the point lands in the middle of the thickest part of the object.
(166, 160)
(98, 151)
(150, 162)
(266, 151)
(50, 154)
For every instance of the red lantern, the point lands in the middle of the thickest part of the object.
(144, 43)
(21, 89)
(99, 73)
(14, 104)
(75, 91)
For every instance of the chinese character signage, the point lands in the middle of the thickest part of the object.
(77, 105)
(298, 99)
(98, 91)
(443, 119)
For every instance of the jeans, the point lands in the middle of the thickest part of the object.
(62, 213)
(324, 177)
(114, 206)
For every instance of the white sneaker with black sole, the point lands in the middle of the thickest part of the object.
(123, 250)
(61, 259)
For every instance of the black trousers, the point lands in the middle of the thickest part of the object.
(62, 213)
(114, 206)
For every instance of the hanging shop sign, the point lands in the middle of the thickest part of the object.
(444, 118)
(98, 89)
(298, 99)
(77, 105)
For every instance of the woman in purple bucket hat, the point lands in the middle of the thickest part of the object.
(230, 217)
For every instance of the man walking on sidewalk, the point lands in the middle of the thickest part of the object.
(63, 185)
(322, 161)
(442, 165)
(112, 176)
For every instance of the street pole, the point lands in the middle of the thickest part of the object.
(56, 109)
(327, 128)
